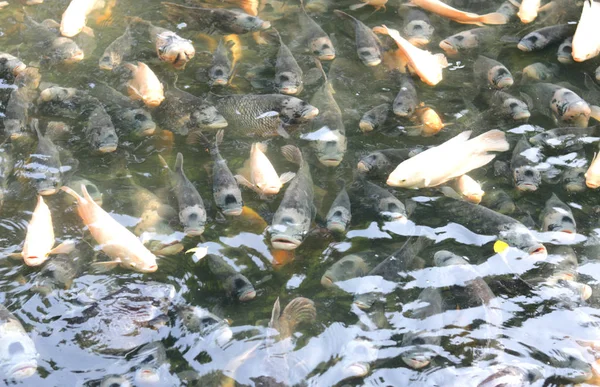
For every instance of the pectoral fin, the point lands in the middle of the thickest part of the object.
(64, 248)
(286, 177)
(102, 267)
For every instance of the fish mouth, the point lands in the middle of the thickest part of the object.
(149, 269)
(539, 250)
(34, 260)
(504, 83)
(284, 243)
(23, 371)
(290, 90)
(564, 59)
(326, 281)
(366, 126)
(372, 62)
(523, 47)
(77, 57)
(310, 113)
(336, 226)
(591, 184)
(218, 123)
(248, 295)
(330, 162)
(574, 187)
(193, 231)
(419, 41)
(521, 116)
(47, 191)
(15, 136)
(358, 369)
(233, 211)
(148, 131)
(265, 25)
(362, 305)
(220, 82)
(448, 48)
(107, 148)
(326, 57)
(417, 361)
(148, 375)
(527, 187)
(153, 102)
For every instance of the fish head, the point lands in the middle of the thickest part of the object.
(172, 48)
(418, 357)
(404, 177)
(500, 77)
(391, 208)
(14, 128)
(17, 352)
(147, 374)
(351, 266)
(115, 381)
(543, 139)
(450, 45)
(34, 258)
(564, 54)
(193, 219)
(532, 41)
(65, 50)
(153, 98)
(295, 109)
(518, 236)
(239, 287)
(403, 105)
(207, 116)
(574, 179)
(29, 78)
(447, 258)
(72, 23)
(229, 200)
(528, 11)
(288, 82)
(559, 220)
(527, 178)
(142, 261)
(92, 189)
(57, 93)
(198, 319)
(419, 32)
(322, 48)
(517, 109)
(570, 109)
(289, 228)
(48, 182)
(366, 300)
(218, 74)
(251, 23)
(102, 138)
(139, 121)
(109, 61)
(330, 147)
(338, 219)
(369, 56)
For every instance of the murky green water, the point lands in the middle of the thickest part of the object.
(543, 328)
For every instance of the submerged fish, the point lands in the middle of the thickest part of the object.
(559, 103)
(417, 27)
(406, 101)
(374, 118)
(541, 71)
(236, 285)
(507, 106)
(144, 85)
(299, 311)
(468, 40)
(200, 320)
(288, 75)
(74, 18)
(183, 112)
(469, 189)
(592, 175)
(368, 46)
(339, 215)
(526, 176)
(492, 73)
(451, 159)
(382, 202)
(444, 10)
(261, 175)
(10, 66)
(565, 138)
(543, 37)
(557, 216)
(499, 201)
(226, 192)
(382, 162)
(119, 50)
(313, 38)
(574, 179)
(528, 10)
(564, 53)
(18, 355)
(350, 266)
(221, 68)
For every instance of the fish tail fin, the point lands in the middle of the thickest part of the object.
(197, 137)
(344, 15)
(86, 194)
(493, 18)
(292, 154)
(219, 138)
(491, 141)
(71, 192)
(320, 67)
(275, 313)
(354, 7)
(35, 125)
(299, 310)
(179, 163)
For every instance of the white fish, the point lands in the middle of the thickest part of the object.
(586, 41)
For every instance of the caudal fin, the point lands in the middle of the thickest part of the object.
(292, 154)
(493, 18)
(71, 192)
(354, 7)
(299, 311)
(491, 141)
(179, 163)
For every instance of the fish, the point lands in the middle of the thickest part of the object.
(215, 20)
(557, 216)
(18, 355)
(288, 74)
(508, 9)
(43, 168)
(120, 244)
(528, 10)
(468, 40)
(561, 104)
(564, 53)
(296, 212)
(58, 273)
(543, 37)
(469, 189)
(340, 213)
(226, 192)
(235, 284)
(144, 85)
(16, 115)
(261, 175)
(426, 65)
(417, 27)
(374, 118)
(526, 176)
(541, 71)
(39, 240)
(377, 4)
(383, 202)
(128, 117)
(299, 311)
(586, 43)
(508, 106)
(492, 73)
(368, 46)
(350, 266)
(10, 66)
(573, 179)
(263, 115)
(200, 320)
(444, 10)
(313, 38)
(431, 122)
(406, 101)
(499, 201)
(74, 17)
(221, 68)
(52, 48)
(192, 213)
(328, 136)
(183, 113)
(149, 359)
(592, 175)
(565, 138)
(117, 51)
(100, 131)
(451, 159)
(395, 268)
(511, 376)
(251, 7)
(7, 163)
(382, 162)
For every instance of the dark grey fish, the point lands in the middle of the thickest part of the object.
(118, 51)
(215, 21)
(507, 105)
(512, 376)
(92, 189)
(115, 381)
(58, 273)
(313, 37)
(226, 191)
(499, 201)
(541, 71)
(573, 179)
(43, 168)
(235, 284)
(10, 66)
(383, 202)
(350, 266)
(526, 176)
(45, 40)
(508, 9)
(296, 212)
(100, 131)
(182, 112)
(200, 320)
(129, 117)
(17, 353)
(192, 213)
(492, 73)
(569, 138)
(148, 359)
(374, 118)
(263, 115)
(288, 75)
(16, 115)
(368, 46)
(542, 38)
(221, 69)
(557, 216)
(339, 215)
(406, 101)
(382, 162)
(564, 53)
(418, 29)
(469, 40)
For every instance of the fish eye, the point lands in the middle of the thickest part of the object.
(284, 78)
(325, 46)
(132, 264)
(193, 216)
(207, 321)
(566, 219)
(459, 38)
(512, 105)
(533, 39)
(338, 213)
(567, 49)
(239, 283)
(417, 27)
(528, 173)
(502, 72)
(418, 340)
(140, 117)
(250, 18)
(365, 53)
(219, 73)
(15, 348)
(287, 220)
(230, 199)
